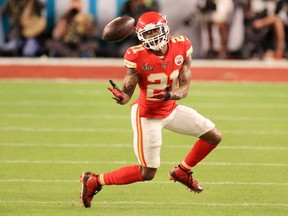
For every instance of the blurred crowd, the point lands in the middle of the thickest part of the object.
(76, 34)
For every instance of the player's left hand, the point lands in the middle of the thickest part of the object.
(116, 92)
(163, 95)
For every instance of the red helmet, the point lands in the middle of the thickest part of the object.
(150, 21)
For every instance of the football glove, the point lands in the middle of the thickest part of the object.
(163, 95)
(116, 91)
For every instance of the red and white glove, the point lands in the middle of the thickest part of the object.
(116, 91)
(163, 95)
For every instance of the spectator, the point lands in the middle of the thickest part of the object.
(26, 28)
(74, 34)
(214, 14)
(152, 5)
(263, 21)
(282, 12)
(135, 8)
(220, 18)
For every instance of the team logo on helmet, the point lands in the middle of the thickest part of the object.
(179, 60)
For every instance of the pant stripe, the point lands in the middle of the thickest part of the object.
(140, 139)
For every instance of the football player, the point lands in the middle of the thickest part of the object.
(160, 66)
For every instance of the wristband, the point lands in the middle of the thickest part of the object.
(167, 96)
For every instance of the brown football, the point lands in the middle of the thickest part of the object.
(119, 28)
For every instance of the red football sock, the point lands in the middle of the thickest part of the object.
(124, 175)
(199, 151)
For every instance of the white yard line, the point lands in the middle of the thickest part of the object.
(122, 130)
(148, 182)
(57, 92)
(131, 162)
(66, 116)
(277, 148)
(108, 116)
(80, 130)
(193, 93)
(261, 106)
(128, 145)
(92, 81)
(26, 202)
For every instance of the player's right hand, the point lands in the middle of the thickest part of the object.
(163, 95)
(118, 95)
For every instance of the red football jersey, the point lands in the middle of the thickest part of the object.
(156, 73)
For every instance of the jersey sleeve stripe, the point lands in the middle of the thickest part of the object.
(129, 64)
(189, 51)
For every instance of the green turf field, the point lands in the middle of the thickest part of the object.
(52, 131)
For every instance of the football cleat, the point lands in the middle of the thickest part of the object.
(185, 178)
(90, 187)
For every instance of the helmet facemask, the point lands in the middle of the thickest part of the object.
(157, 42)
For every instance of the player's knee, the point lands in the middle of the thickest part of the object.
(217, 139)
(213, 137)
(148, 177)
(148, 173)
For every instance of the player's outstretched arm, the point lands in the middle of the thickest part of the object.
(118, 95)
(129, 84)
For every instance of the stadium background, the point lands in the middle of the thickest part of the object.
(105, 10)
(177, 11)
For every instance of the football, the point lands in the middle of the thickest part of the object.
(119, 28)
